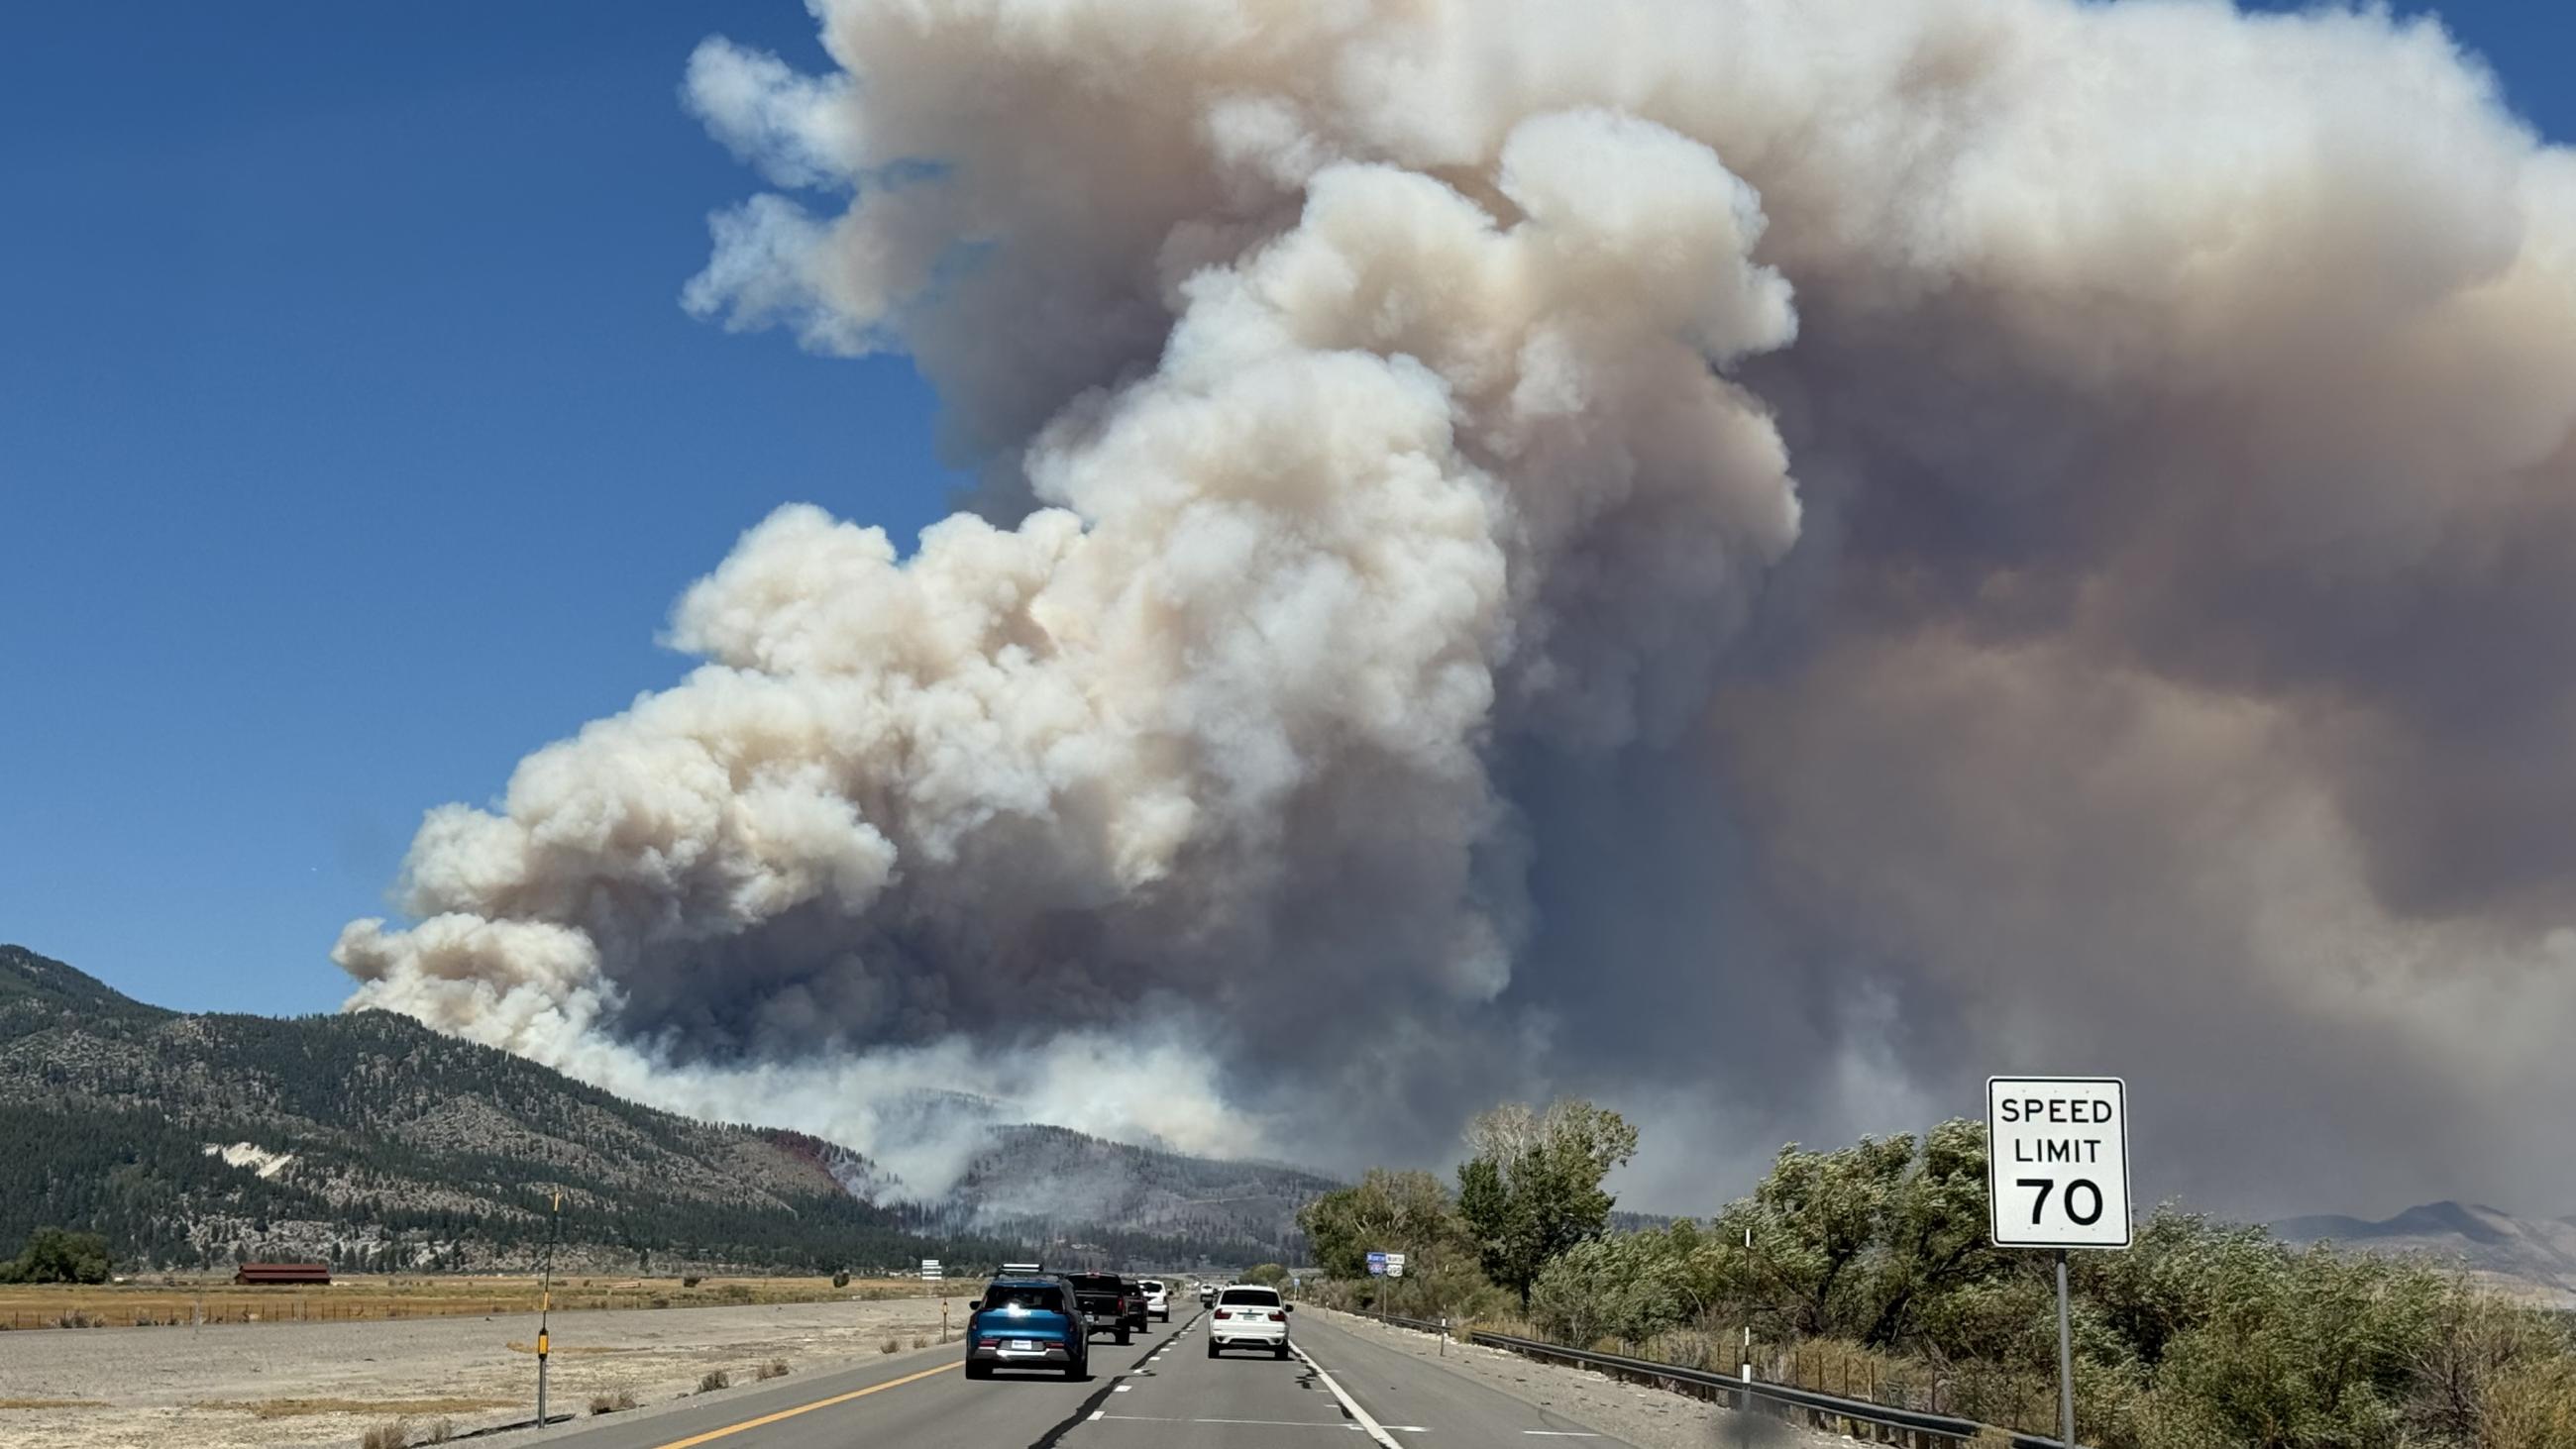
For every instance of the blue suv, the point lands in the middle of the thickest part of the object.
(1027, 1323)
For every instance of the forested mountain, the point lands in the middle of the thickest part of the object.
(374, 1142)
(1130, 1203)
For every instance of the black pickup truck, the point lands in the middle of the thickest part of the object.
(1108, 1302)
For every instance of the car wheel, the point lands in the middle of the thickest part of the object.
(1122, 1335)
(976, 1370)
(1078, 1370)
(1211, 1348)
(1283, 1348)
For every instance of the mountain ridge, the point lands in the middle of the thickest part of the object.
(2530, 1258)
(370, 1140)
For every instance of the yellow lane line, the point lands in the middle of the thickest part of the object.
(729, 1430)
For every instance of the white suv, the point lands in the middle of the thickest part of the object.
(1158, 1299)
(1248, 1316)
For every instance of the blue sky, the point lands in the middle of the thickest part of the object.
(352, 441)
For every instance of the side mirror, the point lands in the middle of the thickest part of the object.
(974, 1305)
(1287, 1307)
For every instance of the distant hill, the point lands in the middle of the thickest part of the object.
(2532, 1258)
(375, 1142)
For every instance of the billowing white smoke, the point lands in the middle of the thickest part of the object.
(1389, 410)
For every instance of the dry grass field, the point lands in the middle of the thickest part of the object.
(182, 1300)
(327, 1385)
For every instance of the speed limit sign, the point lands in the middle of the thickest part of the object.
(2057, 1161)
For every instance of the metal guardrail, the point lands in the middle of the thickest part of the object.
(1922, 1428)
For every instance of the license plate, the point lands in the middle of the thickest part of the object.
(1024, 1345)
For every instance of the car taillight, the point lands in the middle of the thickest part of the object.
(1221, 1313)
(988, 1343)
(1279, 1318)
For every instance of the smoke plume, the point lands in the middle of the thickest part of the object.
(1761, 560)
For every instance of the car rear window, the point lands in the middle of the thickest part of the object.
(1095, 1282)
(1153, 1285)
(1035, 1296)
(1250, 1297)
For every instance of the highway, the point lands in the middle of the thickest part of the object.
(1163, 1392)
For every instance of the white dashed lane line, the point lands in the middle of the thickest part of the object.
(1349, 1405)
(1265, 1423)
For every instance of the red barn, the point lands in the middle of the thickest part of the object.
(298, 1273)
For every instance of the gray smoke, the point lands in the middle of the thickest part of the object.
(1760, 560)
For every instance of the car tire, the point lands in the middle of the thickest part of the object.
(976, 1370)
(1211, 1348)
(1078, 1371)
(1283, 1348)
(1122, 1335)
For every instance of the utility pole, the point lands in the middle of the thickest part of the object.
(546, 1302)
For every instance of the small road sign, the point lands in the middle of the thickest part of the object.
(1395, 1265)
(930, 1269)
(2057, 1161)
(1377, 1264)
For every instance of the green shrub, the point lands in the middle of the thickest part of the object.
(1869, 1271)
(53, 1255)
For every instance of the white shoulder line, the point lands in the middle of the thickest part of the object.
(1349, 1405)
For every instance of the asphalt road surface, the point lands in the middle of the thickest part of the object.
(1163, 1392)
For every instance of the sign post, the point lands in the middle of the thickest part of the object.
(931, 1272)
(546, 1302)
(2057, 1177)
(1746, 1363)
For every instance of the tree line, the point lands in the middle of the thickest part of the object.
(147, 1187)
(1874, 1259)
(55, 1256)
(1530, 1191)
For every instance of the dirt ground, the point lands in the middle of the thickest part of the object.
(214, 1298)
(283, 1385)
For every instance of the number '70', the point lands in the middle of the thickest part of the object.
(2085, 1217)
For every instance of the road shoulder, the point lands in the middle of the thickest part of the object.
(1646, 1417)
